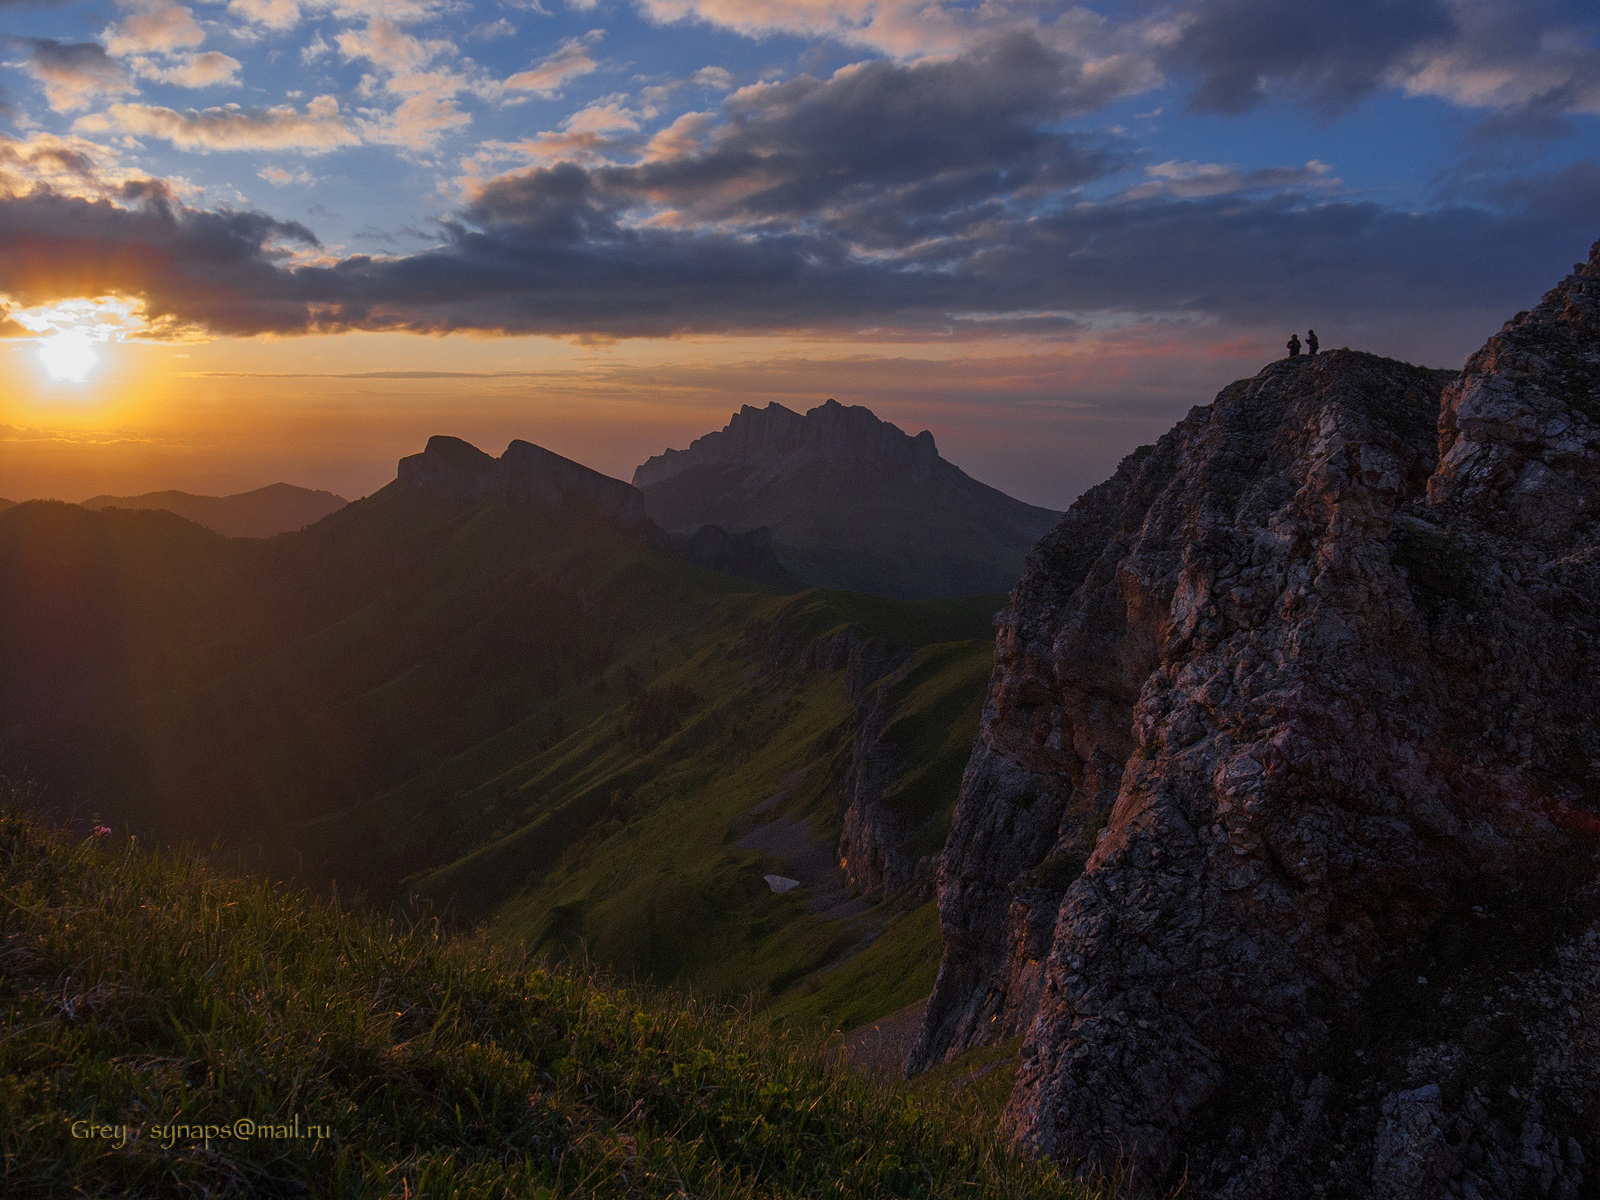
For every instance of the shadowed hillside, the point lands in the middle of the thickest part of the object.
(264, 512)
(493, 681)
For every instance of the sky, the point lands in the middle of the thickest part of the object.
(258, 240)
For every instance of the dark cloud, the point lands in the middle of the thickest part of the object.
(887, 152)
(212, 270)
(1542, 118)
(1326, 52)
(935, 196)
(561, 264)
(1536, 57)
(72, 73)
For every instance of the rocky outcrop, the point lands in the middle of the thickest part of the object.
(852, 502)
(1295, 709)
(453, 469)
(873, 835)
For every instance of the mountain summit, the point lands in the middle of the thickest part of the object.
(458, 470)
(852, 502)
(1277, 848)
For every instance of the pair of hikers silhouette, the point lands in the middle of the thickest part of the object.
(1311, 343)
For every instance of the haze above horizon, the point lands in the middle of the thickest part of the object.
(289, 239)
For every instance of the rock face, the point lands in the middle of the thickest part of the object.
(1276, 845)
(451, 468)
(851, 501)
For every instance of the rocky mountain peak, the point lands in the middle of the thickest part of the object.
(1282, 734)
(851, 501)
(770, 436)
(1519, 431)
(453, 469)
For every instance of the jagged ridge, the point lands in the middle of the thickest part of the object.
(852, 502)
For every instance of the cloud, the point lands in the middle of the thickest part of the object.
(549, 251)
(211, 69)
(278, 15)
(885, 153)
(934, 196)
(1537, 57)
(419, 121)
(1329, 54)
(320, 128)
(489, 31)
(572, 59)
(218, 271)
(73, 74)
(385, 44)
(1192, 179)
(603, 116)
(903, 28)
(280, 177)
(68, 166)
(153, 25)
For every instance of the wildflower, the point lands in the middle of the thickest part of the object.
(101, 830)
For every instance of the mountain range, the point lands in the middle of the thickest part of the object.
(1256, 852)
(851, 502)
(496, 684)
(264, 512)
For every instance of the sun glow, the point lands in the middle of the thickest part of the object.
(72, 331)
(68, 356)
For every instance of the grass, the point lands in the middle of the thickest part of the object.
(897, 969)
(144, 993)
(936, 705)
(625, 849)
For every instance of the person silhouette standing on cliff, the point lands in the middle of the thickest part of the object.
(1311, 341)
(1294, 345)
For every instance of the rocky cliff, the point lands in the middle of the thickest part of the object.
(1276, 846)
(852, 502)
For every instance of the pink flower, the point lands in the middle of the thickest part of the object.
(101, 830)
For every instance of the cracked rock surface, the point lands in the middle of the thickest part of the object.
(1277, 844)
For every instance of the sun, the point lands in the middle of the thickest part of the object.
(72, 336)
(68, 356)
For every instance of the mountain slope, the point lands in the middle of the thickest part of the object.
(264, 512)
(494, 682)
(1278, 842)
(852, 502)
(335, 1055)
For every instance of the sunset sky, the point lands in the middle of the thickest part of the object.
(288, 239)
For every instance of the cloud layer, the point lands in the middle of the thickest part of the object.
(937, 170)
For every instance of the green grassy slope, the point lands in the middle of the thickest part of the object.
(534, 718)
(142, 994)
(626, 849)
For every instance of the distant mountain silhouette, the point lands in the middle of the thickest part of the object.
(852, 502)
(4, 504)
(264, 512)
(456, 470)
